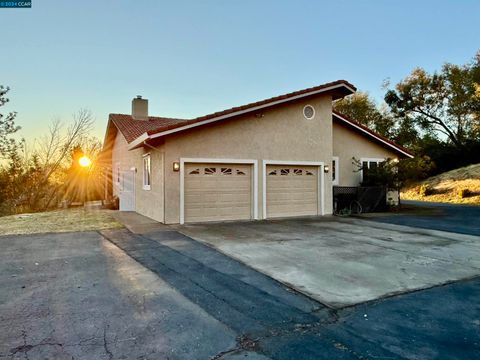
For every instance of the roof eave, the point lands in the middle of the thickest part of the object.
(393, 146)
(107, 131)
(338, 91)
(138, 142)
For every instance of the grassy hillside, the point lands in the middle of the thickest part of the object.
(446, 187)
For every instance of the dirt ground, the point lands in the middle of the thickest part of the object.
(447, 185)
(78, 219)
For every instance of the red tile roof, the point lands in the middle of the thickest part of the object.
(132, 129)
(339, 117)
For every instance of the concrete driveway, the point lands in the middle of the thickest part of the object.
(342, 262)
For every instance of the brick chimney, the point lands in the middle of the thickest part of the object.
(140, 108)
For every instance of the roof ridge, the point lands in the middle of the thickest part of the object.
(149, 117)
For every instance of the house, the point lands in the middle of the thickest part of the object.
(278, 157)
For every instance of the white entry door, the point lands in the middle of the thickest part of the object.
(127, 190)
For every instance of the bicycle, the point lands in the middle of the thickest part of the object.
(355, 208)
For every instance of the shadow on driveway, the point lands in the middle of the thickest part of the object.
(272, 322)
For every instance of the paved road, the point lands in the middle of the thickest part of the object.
(462, 219)
(165, 296)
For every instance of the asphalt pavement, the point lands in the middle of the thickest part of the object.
(162, 295)
(461, 219)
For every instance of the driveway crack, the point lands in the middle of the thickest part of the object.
(105, 343)
(25, 348)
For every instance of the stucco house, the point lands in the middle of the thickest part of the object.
(277, 157)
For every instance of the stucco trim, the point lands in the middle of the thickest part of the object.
(144, 186)
(221, 161)
(321, 181)
(396, 148)
(313, 109)
(337, 170)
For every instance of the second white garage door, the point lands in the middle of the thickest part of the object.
(215, 192)
(292, 190)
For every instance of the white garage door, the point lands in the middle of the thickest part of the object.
(292, 190)
(215, 192)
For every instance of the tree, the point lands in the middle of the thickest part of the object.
(444, 104)
(35, 180)
(7, 127)
(54, 150)
(84, 183)
(362, 108)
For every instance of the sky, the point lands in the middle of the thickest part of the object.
(191, 58)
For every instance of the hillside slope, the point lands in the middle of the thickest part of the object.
(445, 187)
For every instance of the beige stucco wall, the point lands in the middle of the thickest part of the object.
(281, 134)
(147, 202)
(348, 144)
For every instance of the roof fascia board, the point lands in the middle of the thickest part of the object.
(110, 126)
(241, 112)
(372, 135)
(138, 141)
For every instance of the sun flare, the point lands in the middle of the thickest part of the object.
(84, 161)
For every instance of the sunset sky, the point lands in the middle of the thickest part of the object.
(191, 58)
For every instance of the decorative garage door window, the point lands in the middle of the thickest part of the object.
(217, 171)
(291, 190)
(290, 172)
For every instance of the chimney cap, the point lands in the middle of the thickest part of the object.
(139, 96)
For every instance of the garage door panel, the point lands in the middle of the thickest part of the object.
(215, 192)
(292, 190)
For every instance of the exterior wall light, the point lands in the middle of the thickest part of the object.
(176, 166)
(326, 169)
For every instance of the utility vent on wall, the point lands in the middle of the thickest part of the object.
(309, 112)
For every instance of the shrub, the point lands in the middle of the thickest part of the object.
(425, 190)
(463, 193)
(418, 168)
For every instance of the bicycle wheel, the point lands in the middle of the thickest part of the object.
(355, 207)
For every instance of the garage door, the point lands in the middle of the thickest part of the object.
(292, 191)
(215, 192)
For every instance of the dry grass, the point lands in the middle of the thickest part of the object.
(446, 187)
(58, 221)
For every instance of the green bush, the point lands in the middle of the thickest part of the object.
(425, 190)
(418, 168)
(463, 193)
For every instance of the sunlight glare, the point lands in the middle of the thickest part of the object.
(84, 161)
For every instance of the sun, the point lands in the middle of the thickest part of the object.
(84, 161)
